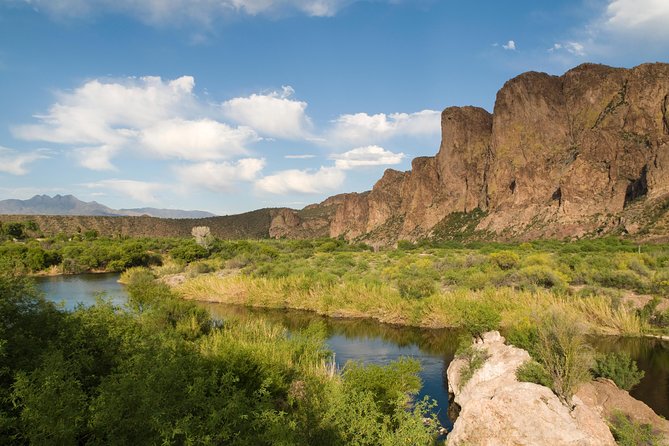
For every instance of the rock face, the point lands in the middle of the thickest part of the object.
(607, 400)
(497, 410)
(585, 153)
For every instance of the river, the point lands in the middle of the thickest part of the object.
(371, 341)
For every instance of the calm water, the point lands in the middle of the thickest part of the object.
(82, 289)
(369, 341)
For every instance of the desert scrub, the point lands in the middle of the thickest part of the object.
(473, 357)
(619, 368)
(627, 432)
(563, 352)
(533, 372)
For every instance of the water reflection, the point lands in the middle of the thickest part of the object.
(82, 289)
(652, 356)
(371, 342)
(367, 340)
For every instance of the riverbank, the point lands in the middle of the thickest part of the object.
(504, 308)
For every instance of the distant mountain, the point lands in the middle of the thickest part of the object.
(166, 213)
(71, 205)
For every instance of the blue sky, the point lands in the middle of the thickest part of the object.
(233, 105)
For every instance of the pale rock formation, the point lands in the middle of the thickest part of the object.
(497, 410)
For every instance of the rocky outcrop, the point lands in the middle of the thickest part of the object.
(585, 153)
(498, 410)
(608, 400)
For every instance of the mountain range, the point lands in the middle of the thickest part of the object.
(71, 205)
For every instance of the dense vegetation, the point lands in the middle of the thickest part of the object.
(614, 286)
(164, 372)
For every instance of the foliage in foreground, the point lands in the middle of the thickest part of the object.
(629, 433)
(561, 356)
(619, 368)
(163, 372)
(474, 358)
(533, 372)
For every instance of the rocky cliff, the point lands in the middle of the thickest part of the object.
(582, 154)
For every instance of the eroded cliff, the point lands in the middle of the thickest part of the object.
(585, 153)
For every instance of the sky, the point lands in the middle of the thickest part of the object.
(233, 105)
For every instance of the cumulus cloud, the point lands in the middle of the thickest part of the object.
(325, 179)
(196, 140)
(166, 12)
(141, 191)
(220, 176)
(149, 115)
(510, 45)
(362, 128)
(365, 157)
(647, 17)
(272, 114)
(15, 163)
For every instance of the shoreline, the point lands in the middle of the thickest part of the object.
(664, 338)
(432, 313)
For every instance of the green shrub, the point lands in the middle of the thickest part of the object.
(415, 287)
(479, 317)
(525, 337)
(397, 381)
(622, 279)
(474, 360)
(533, 372)
(542, 276)
(629, 433)
(619, 368)
(505, 259)
(563, 351)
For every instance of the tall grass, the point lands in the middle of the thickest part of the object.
(449, 308)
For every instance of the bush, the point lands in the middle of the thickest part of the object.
(629, 433)
(562, 350)
(474, 360)
(479, 317)
(533, 372)
(619, 368)
(541, 276)
(525, 337)
(505, 259)
(415, 287)
(397, 381)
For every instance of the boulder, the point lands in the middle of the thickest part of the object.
(497, 410)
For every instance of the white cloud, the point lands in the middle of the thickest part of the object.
(362, 128)
(147, 115)
(510, 45)
(162, 12)
(96, 158)
(273, 114)
(573, 48)
(366, 156)
(621, 27)
(220, 176)
(14, 162)
(325, 179)
(141, 191)
(196, 140)
(647, 17)
(299, 157)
